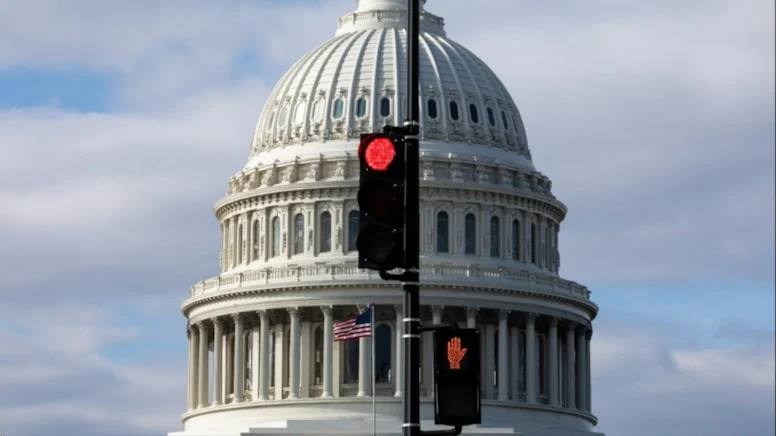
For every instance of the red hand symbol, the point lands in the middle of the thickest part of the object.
(455, 353)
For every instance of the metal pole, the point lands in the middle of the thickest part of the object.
(411, 337)
(372, 366)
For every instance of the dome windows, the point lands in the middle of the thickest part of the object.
(431, 109)
(361, 107)
(299, 234)
(504, 120)
(338, 109)
(325, 234)
(491, 118)
(353, 225)
(474, 114)
(385, 107)
(495, 237)
(454, 115)
(282, 116)
(470, 234)
(443, 232)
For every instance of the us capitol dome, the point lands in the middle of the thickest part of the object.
(262, 357)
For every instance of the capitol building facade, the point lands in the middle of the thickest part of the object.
(262, 359)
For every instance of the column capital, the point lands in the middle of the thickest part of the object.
(262, 314)
(437, 309)
(202, 325)
(571, 326)
(503, 314)
(554, 321)
(217, 321)
(327, 310)
(399, 308)
(472, 311)
(237, 317)
(531, 317)
(293, 311)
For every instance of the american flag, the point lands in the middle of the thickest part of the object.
(353, 328)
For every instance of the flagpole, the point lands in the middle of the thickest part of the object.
(374, 384)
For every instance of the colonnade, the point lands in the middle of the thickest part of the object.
(287, 354)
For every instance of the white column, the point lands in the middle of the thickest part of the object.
(588, 377)
(305, 359)
(239, 359)
(490, 364)
(293, 355)
(427, 364)
(364, 380)
(328, 342)
(530, 358)
(279, 344)
(255, 362)
(203, 365)
(193, 367)
(398, 366)
(552, 345)
(218, 368)
(581, 371)
(570, 368)
(503, 352)
(471, 317)
(264, 356)
(514, 359)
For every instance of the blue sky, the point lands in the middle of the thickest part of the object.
(120, 123)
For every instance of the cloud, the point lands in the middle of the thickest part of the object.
(659, 379)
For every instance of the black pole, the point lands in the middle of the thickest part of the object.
(411, 338)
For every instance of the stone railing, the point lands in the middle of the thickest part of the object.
(432, 274)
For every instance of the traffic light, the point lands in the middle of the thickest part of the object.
(456, 376)
(381, 200)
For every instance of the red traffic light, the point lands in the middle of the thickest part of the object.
(380, 153)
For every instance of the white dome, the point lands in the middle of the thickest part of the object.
(356, 83)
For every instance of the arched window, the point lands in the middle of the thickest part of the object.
(282, 115)
(473, 114)
(521, 361)
(298, 233)
(353, 230)
(431, 107)
(350, 367)
(495, 237)
(339, 108)
(491, 118)
(275, 236)
(534, 243)
(516, 239)
(443, 232)
(325, 235)
(385, 107)
(470, 234)
(383, 354)
(255, 242)
(318, 356)
(504, 120)
(547, 244)
(454, 111)
(361, 107)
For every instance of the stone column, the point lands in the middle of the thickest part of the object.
(552, 345)
(530, 358)
(581, 371)
(490, 365)
(364, 379)
(218, 368)
(264, 356)
(239, 359)
(293, 355)
(398, 367)
(305, 359)
(203, 365)
(193, 367)
(588, 377)
(503, 352)
(471, 317)
(570, 368)
(279, 344)
(328, 342)
(255, 362)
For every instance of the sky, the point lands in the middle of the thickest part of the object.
(121, 121)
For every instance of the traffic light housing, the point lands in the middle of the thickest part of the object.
(381, 200)
(457, 376)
